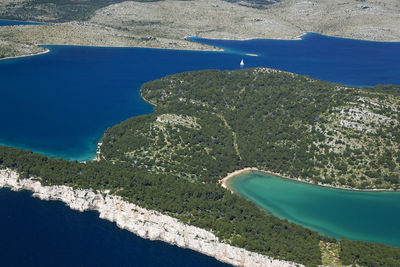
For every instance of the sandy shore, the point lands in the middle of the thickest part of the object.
(224, 181)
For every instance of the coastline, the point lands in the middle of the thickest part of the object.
(202, 47)
(233, 38)
(27, 55)
(224, 181)
(147, 101)
(207, 48)
(145, 223)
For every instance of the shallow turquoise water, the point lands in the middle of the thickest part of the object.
(365, 216)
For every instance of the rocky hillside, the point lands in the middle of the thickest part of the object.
(164, 24)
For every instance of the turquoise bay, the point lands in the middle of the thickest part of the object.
(356, 215)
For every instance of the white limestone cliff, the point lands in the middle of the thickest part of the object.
(145, 223)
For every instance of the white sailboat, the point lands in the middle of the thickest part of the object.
(241, 63)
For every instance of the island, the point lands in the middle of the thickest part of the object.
(165, 24)
(166, 166)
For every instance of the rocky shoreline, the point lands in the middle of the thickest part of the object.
(145, 223)
(28, 55)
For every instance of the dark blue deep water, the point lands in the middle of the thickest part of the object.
(48, 233)
(17, 22)
(352, 62)
(61, 102)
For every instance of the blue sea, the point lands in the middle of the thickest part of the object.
(18, 22)
(60, 103)
(48, 233)
(347, 61)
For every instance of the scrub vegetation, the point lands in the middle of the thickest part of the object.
(209, 123)
(233, 219)
(55, 10)
(81, 10)
(165, 24)
(9, 49)
(317, 131)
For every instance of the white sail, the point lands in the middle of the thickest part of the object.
(241, 63)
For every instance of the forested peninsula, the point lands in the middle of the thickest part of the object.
(210, 123)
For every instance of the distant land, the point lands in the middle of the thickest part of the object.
(165, 24)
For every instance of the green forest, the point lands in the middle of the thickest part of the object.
(276, 121)
(209, 123)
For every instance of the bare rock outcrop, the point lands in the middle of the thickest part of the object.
(145, 223)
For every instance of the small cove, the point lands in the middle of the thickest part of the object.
(356, 215)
